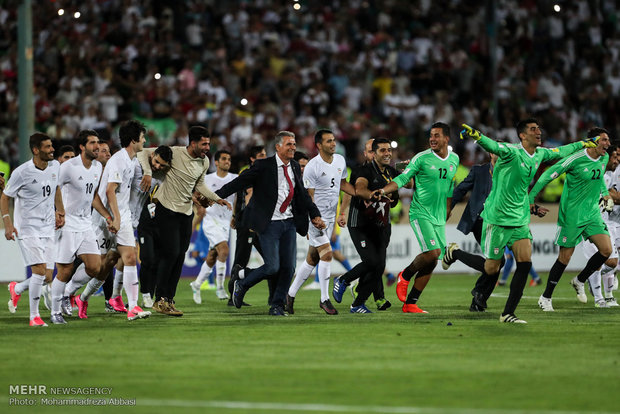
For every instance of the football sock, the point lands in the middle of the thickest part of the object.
(471, 260)
(22, 286)
(413, 296)
(204, 273)
(554, 277)
(489, 284)
(132, 286)
(35, 285)
(595, 285)
(91, 287)
(58, 289)
(118, 283)
(608, 283)
(220, 274)
(594, 263)
(79, 279)
(516, 287)
(108, 286)
(301, 276)
(324, 272)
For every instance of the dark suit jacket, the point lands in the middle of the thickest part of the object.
(479, 181)
(263, 177)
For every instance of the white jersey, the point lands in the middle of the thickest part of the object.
(138, 198)
(214, 183)
(34, 191)
(325, 179)
(78, 185)
(612, 180)
(119, 169)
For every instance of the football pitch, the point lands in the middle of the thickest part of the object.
(222, 360)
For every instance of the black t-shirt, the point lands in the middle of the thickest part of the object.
(364, 213)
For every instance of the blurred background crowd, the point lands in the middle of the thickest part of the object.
(363, 68)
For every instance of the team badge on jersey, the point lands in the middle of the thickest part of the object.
(433, 242)
(496, 250)
(363, 243)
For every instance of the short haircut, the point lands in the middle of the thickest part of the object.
(522, 125)
(197, 132)
(165, 152)
(596, 131)
(64, 149)
(219, 153)
(255, 150)
(83, 135)
(36, 139)
(280, 136)
(445, 128)
(130, 132)
(300, 156)
(611, 149)
(377, 141)
(318, 136)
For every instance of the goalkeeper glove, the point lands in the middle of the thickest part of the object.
(469, 132)
(591, 142)
(606, 204)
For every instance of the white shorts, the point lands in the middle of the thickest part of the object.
(216, 229)
(108, 241)
(589, 248)
(318, 237)
(38, 250)
(72, 244)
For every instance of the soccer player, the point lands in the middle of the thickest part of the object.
(324, 176)
(506, 214)
(216, 226)
(79, 182)
(369, 226)
(34, 186)
(434, 171)
(114, 192)
(607, 272)
(142, 220)
(579, 217)
(65, 153)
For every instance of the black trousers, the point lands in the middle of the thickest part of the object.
(147, 236)
(176, 231)
(371, 244)
(243, 249)
(484, 283)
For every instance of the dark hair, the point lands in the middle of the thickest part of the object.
(197, 132)
(83, 135)
(165, 153)
(611, 149)
(596, 131)
(445, 128)
(255, 150)
(522, 125)
(130, 132)
(377, 141)
(300, 156)
(219, 153)
(318, 136)
(36, 139)
(64, 149)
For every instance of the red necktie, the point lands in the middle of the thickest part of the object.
(289, 197)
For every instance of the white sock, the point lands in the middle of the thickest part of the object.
(324, 271)
(58, 289)
(595, 285)
(118, 283)
(608, 284)
(35, 286)
(79, 279)
(22, 286)
(220, 274)
(91, 288)
(301, 276)
(204, 273)
(132, 286)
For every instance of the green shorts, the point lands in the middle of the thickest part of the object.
(429, 235)
(495, 238)
(569, 236)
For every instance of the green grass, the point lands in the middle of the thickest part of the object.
(215, 355)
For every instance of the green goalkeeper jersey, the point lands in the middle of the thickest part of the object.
(585, 183)
(508, 204)
(434, 183)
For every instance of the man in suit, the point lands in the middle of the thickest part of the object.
(280, 206)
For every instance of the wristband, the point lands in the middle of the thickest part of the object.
(109, 218)
(6, 215)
